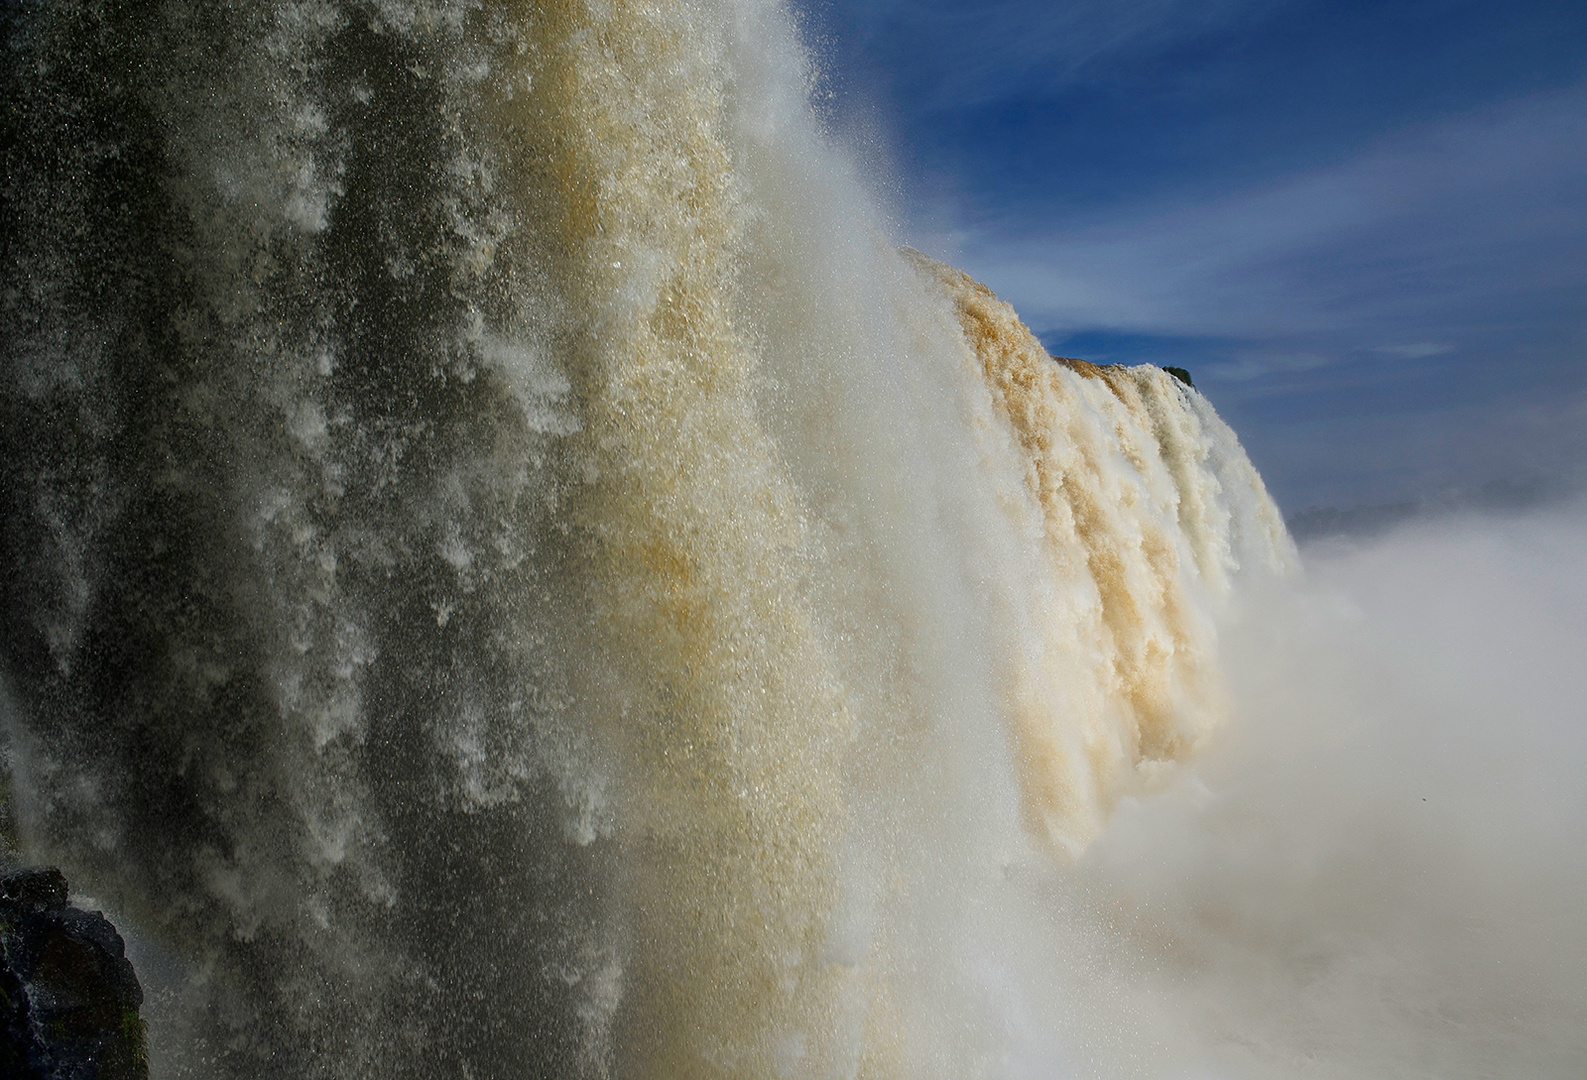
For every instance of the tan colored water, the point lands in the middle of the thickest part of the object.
(568, 596)
(1137, 550)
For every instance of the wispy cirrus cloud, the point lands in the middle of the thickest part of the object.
(1429, 232)
(1417, 351)
(1427, 296)
(1363, 226)
(1262, 362)
(976, 53)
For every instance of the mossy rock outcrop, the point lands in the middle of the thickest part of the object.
(69, 998)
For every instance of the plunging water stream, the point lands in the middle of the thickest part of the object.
(511, 573)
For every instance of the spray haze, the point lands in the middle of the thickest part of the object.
(1374, 872)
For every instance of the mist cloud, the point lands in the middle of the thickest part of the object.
(1377, 871)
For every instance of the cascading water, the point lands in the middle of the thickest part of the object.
(509, 574)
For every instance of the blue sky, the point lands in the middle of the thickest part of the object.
(1362, 226)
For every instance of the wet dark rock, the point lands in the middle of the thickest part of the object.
(69, 998)
(1181, 374)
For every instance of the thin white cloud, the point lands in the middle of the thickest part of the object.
(1254, 365)
(1418, 351)
(1008, 48)
(1429, 224)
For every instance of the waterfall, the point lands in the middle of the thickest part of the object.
(510, 572)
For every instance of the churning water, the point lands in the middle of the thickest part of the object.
(509, 573)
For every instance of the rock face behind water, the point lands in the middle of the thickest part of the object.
(69, 999)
